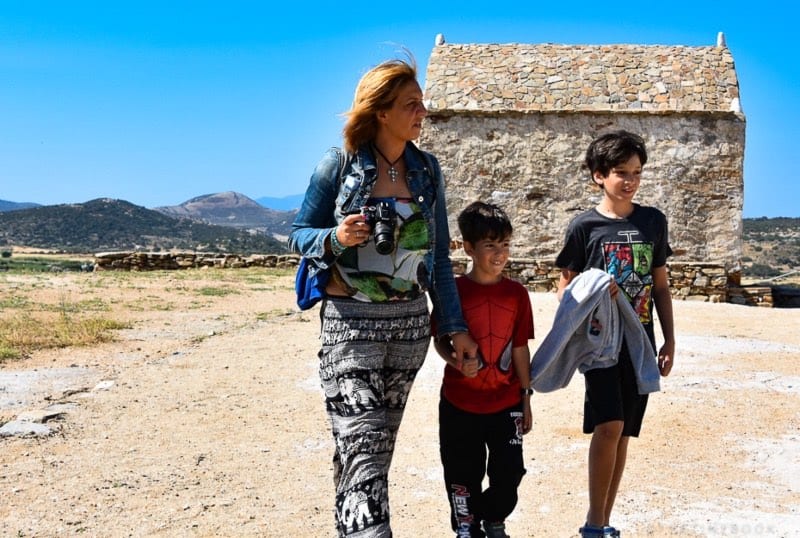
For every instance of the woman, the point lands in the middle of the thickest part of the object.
(375, 217)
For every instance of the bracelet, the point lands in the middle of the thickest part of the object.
(526, 392)
(336, 247)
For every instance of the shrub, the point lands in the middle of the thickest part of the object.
(761, 270)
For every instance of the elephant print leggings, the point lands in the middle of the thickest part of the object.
(371, 353)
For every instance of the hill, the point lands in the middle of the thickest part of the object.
(235, 210)
(771, 246)
(106, 224)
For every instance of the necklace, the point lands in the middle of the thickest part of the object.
(392, 170)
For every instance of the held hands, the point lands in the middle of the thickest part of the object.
(445, 346)
(465, 352)
(470, 366)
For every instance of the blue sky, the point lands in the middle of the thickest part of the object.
(158, 102)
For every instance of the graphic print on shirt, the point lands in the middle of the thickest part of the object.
(495, 341)
(630, 264)
(369, 276)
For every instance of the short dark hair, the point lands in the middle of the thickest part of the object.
(480, 220)
(614, 148)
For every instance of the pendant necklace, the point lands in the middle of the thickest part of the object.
(392, 170)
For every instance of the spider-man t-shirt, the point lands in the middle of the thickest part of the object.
(499, 317)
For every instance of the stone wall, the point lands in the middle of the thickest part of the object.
(154, 261)
(531, 165)
(688, 281)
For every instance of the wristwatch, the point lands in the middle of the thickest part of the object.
(526, 392)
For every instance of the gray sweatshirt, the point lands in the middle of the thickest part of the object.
(587, 333)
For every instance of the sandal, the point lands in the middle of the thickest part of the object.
(592, 531)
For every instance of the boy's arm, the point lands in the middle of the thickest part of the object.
(566, 277)
(521, 359)
(663, 303)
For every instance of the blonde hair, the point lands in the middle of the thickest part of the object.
(376, 91)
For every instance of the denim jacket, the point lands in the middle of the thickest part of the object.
(326, 204)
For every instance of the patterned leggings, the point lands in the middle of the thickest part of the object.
(371, 353)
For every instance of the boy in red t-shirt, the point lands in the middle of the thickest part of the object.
(485, 401)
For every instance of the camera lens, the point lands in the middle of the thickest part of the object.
(384, 228)
(384, 237)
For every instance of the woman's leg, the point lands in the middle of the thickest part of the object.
(366, 384)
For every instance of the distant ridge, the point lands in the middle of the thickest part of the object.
(14, 206)
(235, 210)
(107, 224)
(286, 203)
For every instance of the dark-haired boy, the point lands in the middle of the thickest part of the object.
(630, 242)
(485, 401)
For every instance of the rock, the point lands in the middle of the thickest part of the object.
(24, 427)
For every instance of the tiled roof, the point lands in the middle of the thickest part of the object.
(580, 78)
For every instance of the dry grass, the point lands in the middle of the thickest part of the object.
(23, 333)
(33, 317)
(40, 311)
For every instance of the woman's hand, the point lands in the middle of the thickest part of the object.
(352, 231)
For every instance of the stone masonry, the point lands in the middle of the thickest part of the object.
(161, 261)
(510, 125)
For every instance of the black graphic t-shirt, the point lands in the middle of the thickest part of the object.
(627, 249)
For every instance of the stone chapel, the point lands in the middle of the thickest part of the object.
(510, 124)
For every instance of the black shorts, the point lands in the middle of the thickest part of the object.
(612, 394)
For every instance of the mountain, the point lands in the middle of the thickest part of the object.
(14, 206)
(287, 203)
(235, 210)
(106, 224)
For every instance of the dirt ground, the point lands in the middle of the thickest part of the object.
(205, 418)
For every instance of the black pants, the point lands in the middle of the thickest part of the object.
(463, 442)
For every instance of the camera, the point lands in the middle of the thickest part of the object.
(381, 218)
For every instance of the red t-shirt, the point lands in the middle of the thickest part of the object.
(499, 317)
